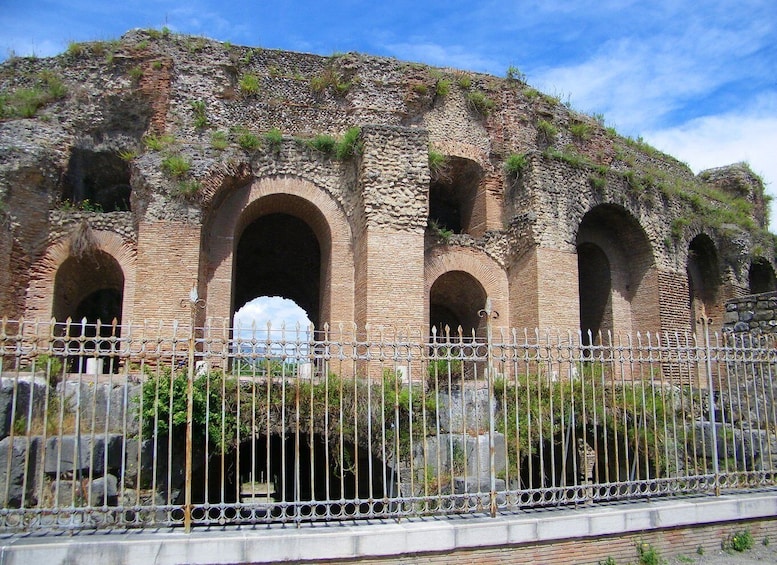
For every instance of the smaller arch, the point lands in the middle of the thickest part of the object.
(704, 280)
(761, 277)
(110, 248)
(458, 281)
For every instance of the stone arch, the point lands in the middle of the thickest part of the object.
(761, 277)
(113, 260)
(704, 281)
(454, 268)
(610, 238)
(293, 198)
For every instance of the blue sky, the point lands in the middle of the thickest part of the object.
(694, 78)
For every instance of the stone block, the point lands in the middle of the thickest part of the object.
(18, 464)
(104, 491)
(16, 394)
(104, 403)
(464, 409)
(84, 454)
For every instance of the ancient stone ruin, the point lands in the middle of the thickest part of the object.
(366, 189)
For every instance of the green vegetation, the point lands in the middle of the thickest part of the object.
(158, 142)
(648, 555)
(188, 188)
(330, 78)
(479, 102)
(581, 131)
(515, 164)
(514, 73)
(219, 140)
(249, 84)
(441, 232)
(739, 542)
(350, 145)
(323, 143)
(443, 87)
(464, 81)
(25, 102)
(176, 165)
(200, 117)
(437, 163)
(135, 73)
(547, 131)
(128, 155)
(273, 139)
(247, 140)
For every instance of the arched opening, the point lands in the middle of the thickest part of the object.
(278, 254)
(595, 289)
(90, 288)
(761, 276)
(615, 270)
(454, 301)
(100, 177)
(452, 194)
(703, 279)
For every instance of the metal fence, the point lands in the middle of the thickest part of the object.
(109, 426)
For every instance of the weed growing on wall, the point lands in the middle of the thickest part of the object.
(515, 164)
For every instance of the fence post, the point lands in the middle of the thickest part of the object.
(711, 399)
(489, 314)
(193, 303)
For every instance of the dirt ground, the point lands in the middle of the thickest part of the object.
(759, 554)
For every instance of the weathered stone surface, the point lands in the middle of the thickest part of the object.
(110, 406)
(83, 453)
(20, 398)
(464, 409)
(18, 464)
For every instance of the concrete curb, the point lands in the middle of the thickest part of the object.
(321, 541)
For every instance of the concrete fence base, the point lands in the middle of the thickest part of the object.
(570, 536)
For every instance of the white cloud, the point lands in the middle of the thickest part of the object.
(747, 134)
(275, 310)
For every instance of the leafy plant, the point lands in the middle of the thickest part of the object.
(479, 102)
(349, 145)
(135, 73)
(443, 87)
(158, 142)
(128, 154)
(188, 188)
(439, 231)
(200, 117)
(739, 542)
(581, 131)
(324, 143)
(547, 131)
(515, 164)
(648, 555)
(437, 163)
(514, 73)
(219, 140)
(274, 139)
(176, 165)
(247, 140)
(464, 81)
(249, 84)
(25, 102)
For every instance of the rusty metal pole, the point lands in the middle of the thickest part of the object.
(711, 399)
(490, 315)
(193, 303)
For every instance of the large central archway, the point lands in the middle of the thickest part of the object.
(279, 255)
(280, 236)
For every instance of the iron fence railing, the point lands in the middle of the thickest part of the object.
(128, 426)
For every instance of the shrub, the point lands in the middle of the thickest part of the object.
(247, 140)
(135, 73)
(274, 139)
(515, 164)
(648, 555)
(464, 81)
(437, 163)
(25, 102)
(350, 144)
(580, 130)
(75, 49)
(324, 143)
(739, 542)
(249, 84)
(188, 188)
(158, 142)
(176, 165)
(200, 118)
(443, 87)
(514, 73)
(219, 141)
(479, 102)
(547, 131)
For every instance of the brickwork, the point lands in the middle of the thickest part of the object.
(594, 550)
